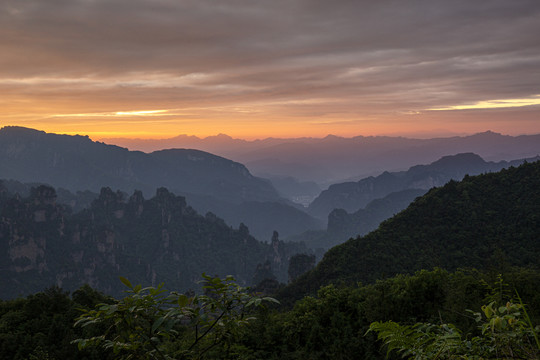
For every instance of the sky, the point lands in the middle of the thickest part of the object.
(261, 68)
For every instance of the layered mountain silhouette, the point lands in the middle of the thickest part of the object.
(209, 182)
(161, 239)
(78, 163)
(343, 225)
(334, 159)
(352, 196)
(489, 220)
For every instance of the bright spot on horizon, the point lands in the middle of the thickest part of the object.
(493, 104)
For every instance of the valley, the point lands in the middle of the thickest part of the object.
(78, 215)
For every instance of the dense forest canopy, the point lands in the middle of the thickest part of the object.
(330, 325)
(486, 220)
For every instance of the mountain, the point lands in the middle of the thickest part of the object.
(352, 196)
(332, 159)
(77, 201)
(300, 192)
(489, 220)
(77, 163)
(342, 225)
(151, 241)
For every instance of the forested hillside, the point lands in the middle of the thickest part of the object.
(343, 226)
(485, 220)
(352, 196)
(406, 186)
(161, 239)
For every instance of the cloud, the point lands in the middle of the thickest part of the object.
(298, 57)
(494, 104)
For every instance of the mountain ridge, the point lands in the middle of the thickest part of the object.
(78, 163)
(139, 170)
(334, 159)
(481, 221)
(352, 196)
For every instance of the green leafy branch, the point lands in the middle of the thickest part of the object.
(150, 323)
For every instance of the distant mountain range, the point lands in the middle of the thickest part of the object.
(215, 184)
(78, 163)
(489, 221)
(209, 182)
(334, 159)
(386, 195)
(42, 243)
(343, 225)
(352, 196)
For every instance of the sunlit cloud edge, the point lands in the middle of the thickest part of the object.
(493, 104)
(119, 113)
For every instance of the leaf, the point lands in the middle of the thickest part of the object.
(125, 282)
(81, 343)
(157, 323)
(182, 300)
(271, 299)
(111, 309)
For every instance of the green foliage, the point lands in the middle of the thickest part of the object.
(150, 323)
(505, 332)
(489, 221)
(421, 341)
(332, 324)
(41, 325)
(299, 264)
(329, 326)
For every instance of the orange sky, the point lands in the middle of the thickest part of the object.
(262, 122)
(146, 69)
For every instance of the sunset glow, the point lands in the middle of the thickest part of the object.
(118, 113)
(494, 104)
(153, 70)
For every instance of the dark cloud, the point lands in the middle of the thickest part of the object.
(401, 55)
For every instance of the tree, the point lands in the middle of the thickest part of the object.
(300, 264)
(150, 323)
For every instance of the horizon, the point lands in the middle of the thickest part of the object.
(418, 136)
